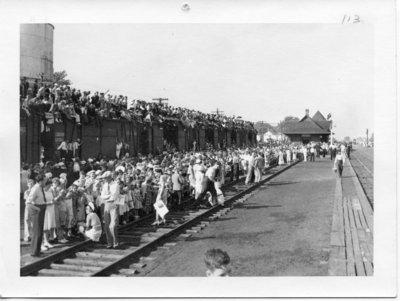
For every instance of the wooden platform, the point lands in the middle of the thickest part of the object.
(351, 251)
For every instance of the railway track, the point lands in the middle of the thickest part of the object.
(141, 243)
(363, 165)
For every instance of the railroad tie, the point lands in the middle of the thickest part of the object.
(85, 262)
(128, 272)
(59, 273)
(109, 257)
(78, 268)
(137, 265)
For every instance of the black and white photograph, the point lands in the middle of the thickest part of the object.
(172, 151)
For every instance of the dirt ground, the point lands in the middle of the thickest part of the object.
(282, 230)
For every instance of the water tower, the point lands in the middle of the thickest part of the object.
(36, 52)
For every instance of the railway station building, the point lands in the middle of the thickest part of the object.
(309, 129)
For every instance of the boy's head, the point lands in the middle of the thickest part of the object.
(217, 262)
(30, 183)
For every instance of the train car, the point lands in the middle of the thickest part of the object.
(101, 137)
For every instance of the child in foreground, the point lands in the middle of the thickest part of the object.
(217, 262)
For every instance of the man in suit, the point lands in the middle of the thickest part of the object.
(36, 204)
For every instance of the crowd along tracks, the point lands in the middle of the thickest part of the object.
(140, 242)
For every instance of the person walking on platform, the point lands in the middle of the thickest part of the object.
(332, 149)
(109, 195)
(348, 149)
(312, 153)
(339, 161)
(37, 207)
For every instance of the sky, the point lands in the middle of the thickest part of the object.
(262, 72)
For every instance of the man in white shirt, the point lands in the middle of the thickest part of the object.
(109, 195)
(312, 153)
(210, 175)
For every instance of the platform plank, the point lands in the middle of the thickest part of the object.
(337, 261)
(350, 263)
(356, 244)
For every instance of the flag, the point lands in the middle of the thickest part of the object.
(329, 116)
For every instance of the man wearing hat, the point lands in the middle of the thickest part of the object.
(37, 206)
(109, 195)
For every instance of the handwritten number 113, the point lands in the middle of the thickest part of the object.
(351, 19)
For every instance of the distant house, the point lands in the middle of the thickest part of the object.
(315, 129)
(272, 135)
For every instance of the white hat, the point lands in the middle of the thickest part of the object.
(120, 168)
(107, 174)
(91, 205)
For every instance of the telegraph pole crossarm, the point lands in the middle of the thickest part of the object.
(160, 100)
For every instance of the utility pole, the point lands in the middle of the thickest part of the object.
(160, 100)
(367, 137)
(218, 112)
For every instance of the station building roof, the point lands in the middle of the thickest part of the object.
(309, 125)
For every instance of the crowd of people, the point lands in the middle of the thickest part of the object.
(88, 197)
(60, 102)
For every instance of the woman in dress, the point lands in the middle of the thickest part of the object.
(162, 196)
(50, 216)
(192, 177)
(288, 155)
(305, 153)
(294, 154)
(92, 229)
(280, 154)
